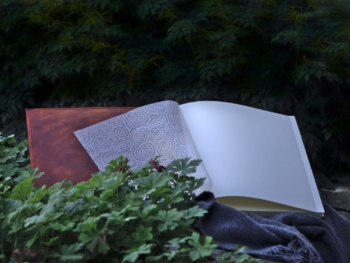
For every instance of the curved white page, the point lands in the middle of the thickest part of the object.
(253, 153)
(140, 135)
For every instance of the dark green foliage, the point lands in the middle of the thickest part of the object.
(116, 216)
(290, 57)
(14, 169)
(14, 165)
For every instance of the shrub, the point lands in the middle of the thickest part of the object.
(14, 165)
(116, 216)
(290, 57)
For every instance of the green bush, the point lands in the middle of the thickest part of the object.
(14, 165)
(290, 57)
(116, 216)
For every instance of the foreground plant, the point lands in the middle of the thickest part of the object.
(118, 215)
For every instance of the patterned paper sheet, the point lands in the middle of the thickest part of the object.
(154, 130)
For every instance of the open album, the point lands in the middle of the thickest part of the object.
(253, 160)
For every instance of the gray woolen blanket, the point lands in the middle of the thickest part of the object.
(283, 237)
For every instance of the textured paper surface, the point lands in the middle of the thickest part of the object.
(157, 129)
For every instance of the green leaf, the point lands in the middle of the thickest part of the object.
(193, 212)
(180, 29)
(75, 207)
(50, 211)
(244, 257)
(226, 258)
(22, 190)
(173, 246)
(198, 249)
(51, 241)
(147, 210)
(183, 166)
(168, 219)
(153, 180)
(133, 254)
(30, 220)
(31, 241)
(90, 224)
(62, 227)
(140, 236)
(69, 253)
(8, 170)
(153, 258)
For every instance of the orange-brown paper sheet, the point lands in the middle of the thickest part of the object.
(54, 148)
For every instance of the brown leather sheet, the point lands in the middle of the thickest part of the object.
(53, 147)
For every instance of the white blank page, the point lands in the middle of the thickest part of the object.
(252, 153)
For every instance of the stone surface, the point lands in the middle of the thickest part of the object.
(345, 214)
(338, 198)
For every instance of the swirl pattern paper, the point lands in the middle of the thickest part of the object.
(139, 135)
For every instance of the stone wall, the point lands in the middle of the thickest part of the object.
(338, 198)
